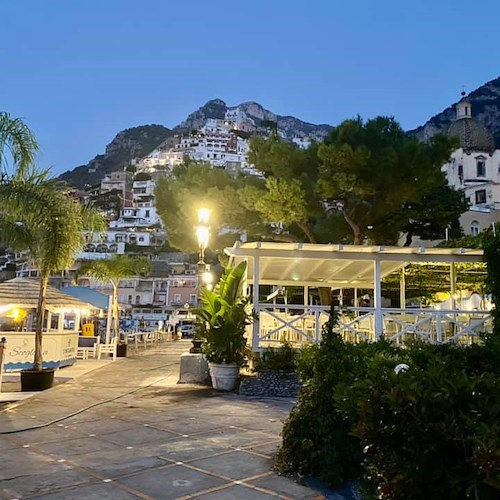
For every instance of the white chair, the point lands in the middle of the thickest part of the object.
(108, 348)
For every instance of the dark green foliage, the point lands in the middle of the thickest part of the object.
(434, 430)
(283, 358)
(317, 436)
(491, 247)
(430, 432)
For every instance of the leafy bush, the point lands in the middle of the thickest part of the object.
(224, 315)
(317, 438)
(430, 432)
(283, 358)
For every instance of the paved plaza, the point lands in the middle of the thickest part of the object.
(127, 430)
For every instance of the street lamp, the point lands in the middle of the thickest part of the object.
(204, 275)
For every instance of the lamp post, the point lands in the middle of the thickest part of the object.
(204, 275)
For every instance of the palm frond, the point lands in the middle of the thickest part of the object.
(17, 140)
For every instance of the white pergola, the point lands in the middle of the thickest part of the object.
(339, 266)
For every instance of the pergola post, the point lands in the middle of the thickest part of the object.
(377, 297)
(453, 288)
(255, 299)
(402, 289)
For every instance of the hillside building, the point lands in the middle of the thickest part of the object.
(475, 169)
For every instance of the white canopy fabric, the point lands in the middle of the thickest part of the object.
(336, 266)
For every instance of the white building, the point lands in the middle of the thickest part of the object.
(475, 169)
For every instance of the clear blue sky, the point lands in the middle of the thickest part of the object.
(79, 71)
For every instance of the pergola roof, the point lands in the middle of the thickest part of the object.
(336, 266)
(23, 293)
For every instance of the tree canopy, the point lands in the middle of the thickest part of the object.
(366, 180)
(18, 144)
(112, 271)
(39, 215)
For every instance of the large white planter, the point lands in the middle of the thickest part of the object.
(224, 377)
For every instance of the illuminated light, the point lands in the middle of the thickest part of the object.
(202, 234)
(17, 314)
(204, 215)
(207, 277)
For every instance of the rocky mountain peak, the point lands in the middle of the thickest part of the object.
(485, 102)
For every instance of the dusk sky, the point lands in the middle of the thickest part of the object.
(79, 71)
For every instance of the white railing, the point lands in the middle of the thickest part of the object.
(300, 324)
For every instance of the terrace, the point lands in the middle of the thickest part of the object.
(353, 268)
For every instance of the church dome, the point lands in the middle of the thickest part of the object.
(473, 135)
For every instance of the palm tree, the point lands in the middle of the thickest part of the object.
(113, 271)
(37, 214)
(17, 142)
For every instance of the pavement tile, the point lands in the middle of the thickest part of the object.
(101, 426)
(25, 462)
(7, 444)
(111, 464)
(235, 465)
(34, 484)
(285, 487)
(70, 447)
(268, 449)
(187, 425)
(139, 434)
(237, 492)
(91, 492)
(233, 437)
(171, 482)
(47, 434)
(185, 449)
(199, 442)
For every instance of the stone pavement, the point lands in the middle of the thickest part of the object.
(127, 430)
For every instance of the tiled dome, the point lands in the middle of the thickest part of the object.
(473, 135)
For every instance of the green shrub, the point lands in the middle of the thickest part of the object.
(317, 438)
(283, 358)
(430, 432)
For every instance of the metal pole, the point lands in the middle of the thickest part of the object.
(109, 319)
(255, 299)
(379, 321)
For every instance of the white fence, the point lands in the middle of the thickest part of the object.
(300, 324)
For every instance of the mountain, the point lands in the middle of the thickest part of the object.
(485, 103)
(130, 143)
(289, 126)
(137, 142)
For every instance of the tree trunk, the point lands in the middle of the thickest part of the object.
(409, 237)
(40, 316)
(307, 231)
(356, 231)
(116, 315)
(325, 295)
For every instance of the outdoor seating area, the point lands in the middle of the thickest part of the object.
(353, 268)
(357, 324)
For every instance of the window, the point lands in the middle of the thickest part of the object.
(137, 299)
(461, 173)
(480, 196)
(177, 298)
(474, 228)
(480, 168)
(130, 299)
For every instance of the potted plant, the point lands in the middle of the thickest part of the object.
(39, 215)
(224, 316)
